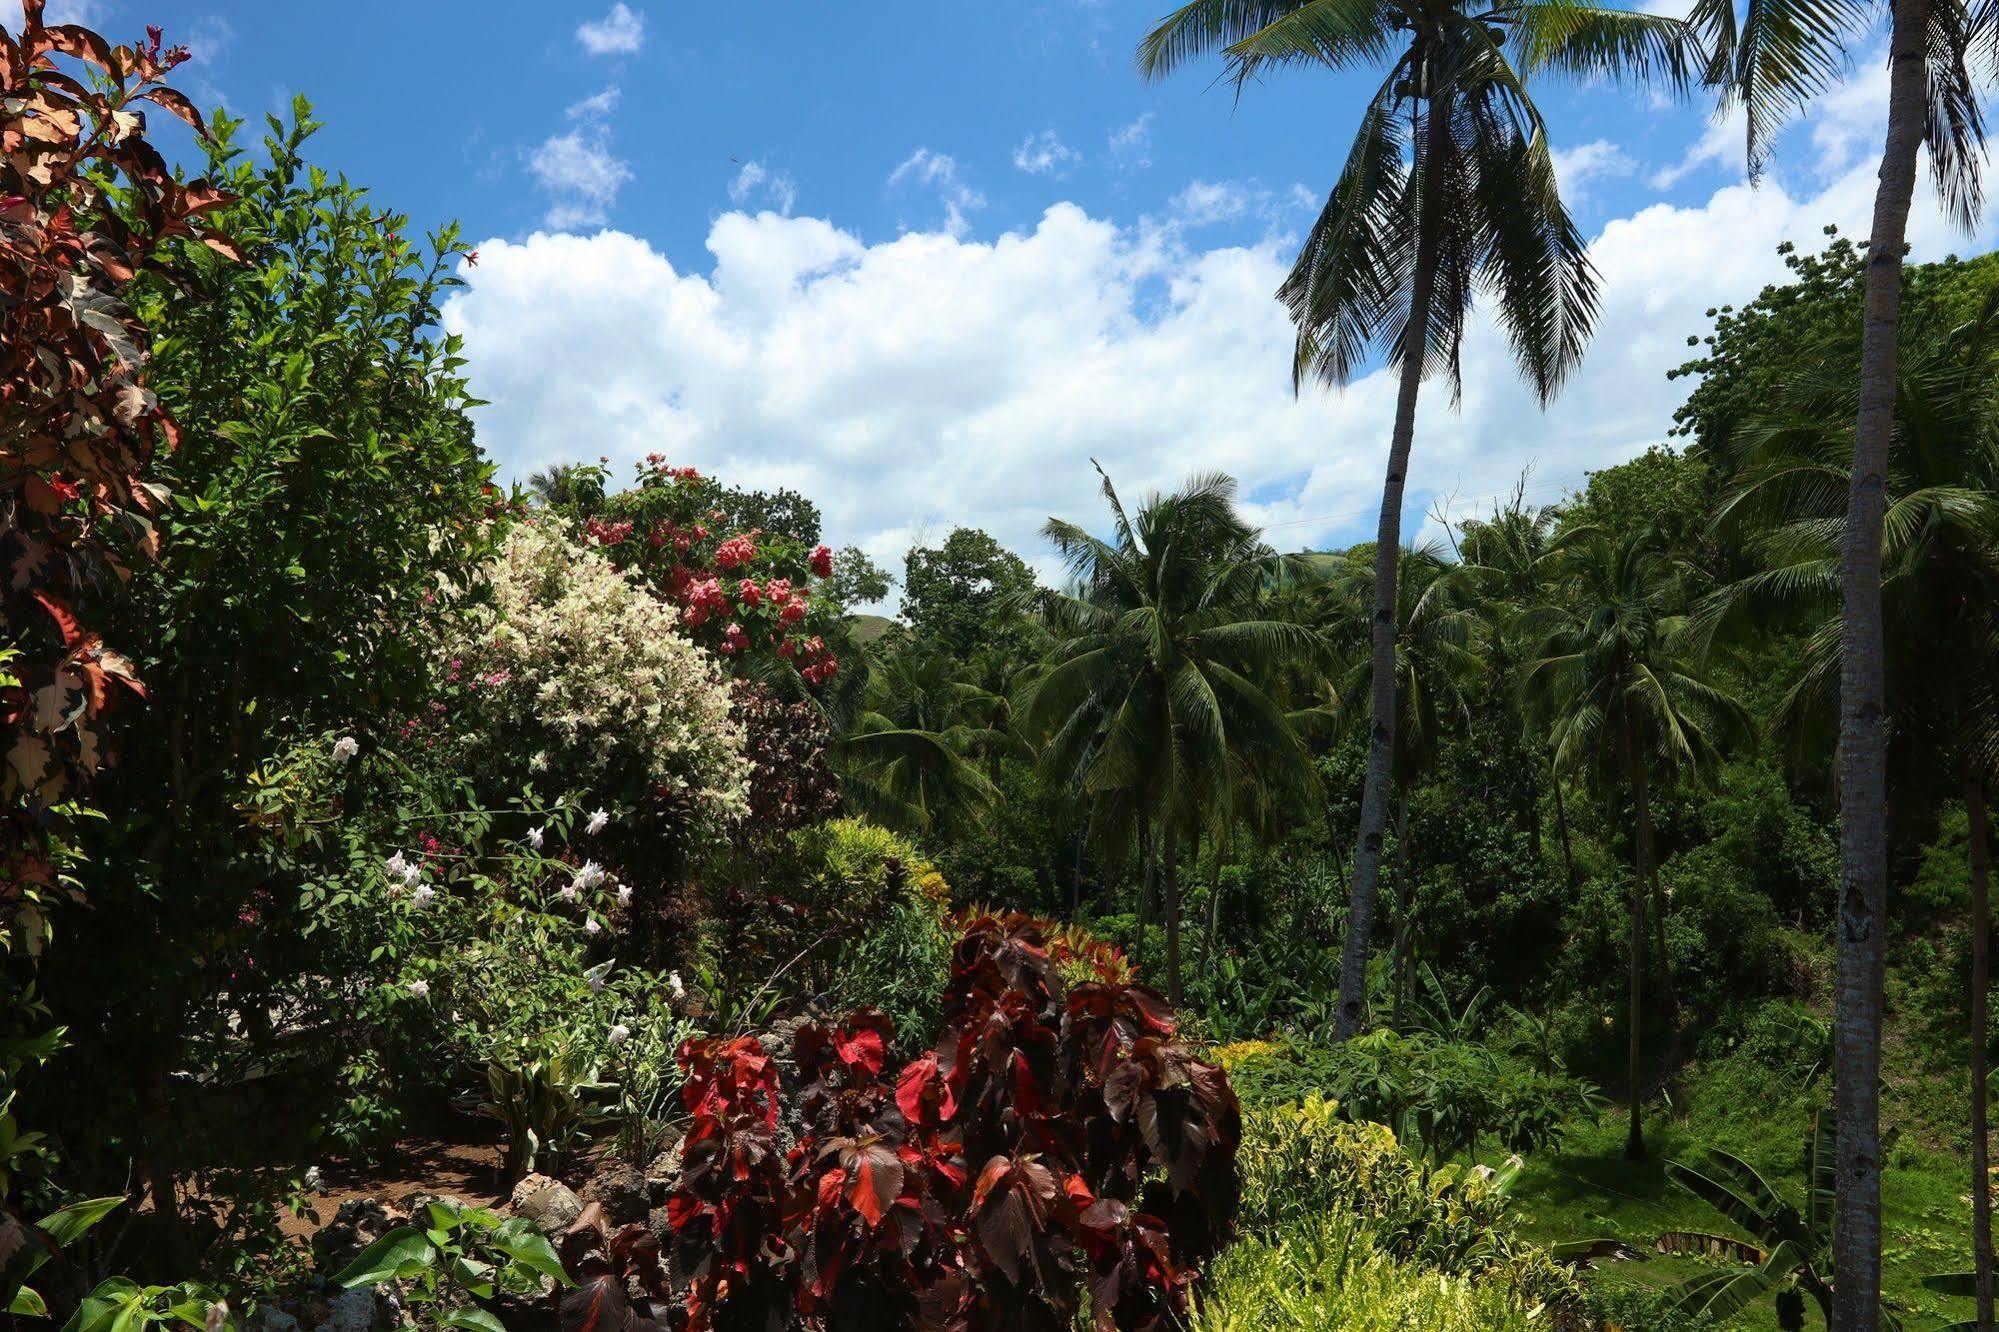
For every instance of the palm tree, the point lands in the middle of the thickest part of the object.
(1938, 600)
(1435, 663)
(1775, 60)
(910, 752)
(1624, 700)
(1449, 190)
(1154, 701)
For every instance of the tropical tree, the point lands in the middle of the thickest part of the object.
(1624, 700)
(1938, 600)
(911, 753)
(1448, 192)
(1155, 700)
(1436, 660)
(1771, 62)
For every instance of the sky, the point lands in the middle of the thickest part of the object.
(925, 261)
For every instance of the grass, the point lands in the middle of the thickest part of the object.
(1586, 1189)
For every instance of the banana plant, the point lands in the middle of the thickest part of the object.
(28, 1245)
(1790, 1247)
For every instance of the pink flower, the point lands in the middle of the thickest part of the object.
(749, 593)
(822, 561)
(736, 552)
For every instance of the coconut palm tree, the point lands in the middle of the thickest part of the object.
(1769, 64)
(1448, 192)
(1154, 701)
(1938, 601)
(1436, 661)
(912, 749)
(1625, 704)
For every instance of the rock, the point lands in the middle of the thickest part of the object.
(349, 1311)
(270, 1318)
(621, 1190)
(357, 1223)
(413, 1202)
(550, 1205)
(663, 1175)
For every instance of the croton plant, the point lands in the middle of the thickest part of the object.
(1056, 1152)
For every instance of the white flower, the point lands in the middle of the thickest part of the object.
(312, 1180)
(346, 747)
(674, 987)
(411, 875)
(568, 893)
(419, 989)
(624, 894)
(618, 1035)
(423, 895)
(590, 875)
(597, 823)
(591, 926)
(535, 836)
(396, 866)
(218, 1316)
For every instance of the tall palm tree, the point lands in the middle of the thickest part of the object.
(1625, 702)
(1154, 701)
(1435, 663)
(911, 751)
(1777, 58)
(1938, 602)
(1448, 191)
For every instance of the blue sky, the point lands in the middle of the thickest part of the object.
(923, 261)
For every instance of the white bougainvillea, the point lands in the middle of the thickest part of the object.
(585, 681)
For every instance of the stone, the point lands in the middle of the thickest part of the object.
(663, 1175)
(551, 1205)
(620, 1189)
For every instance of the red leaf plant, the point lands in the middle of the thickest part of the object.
(86, 205)
(1056, 1150)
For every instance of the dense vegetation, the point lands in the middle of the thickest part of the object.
(1448, 935)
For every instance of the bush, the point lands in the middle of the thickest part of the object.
(1329, 1273)
(1054, 1141)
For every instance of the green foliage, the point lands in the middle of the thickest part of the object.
(30, 1245)
(119, 1304)
(963, 596)
(899, 965)
(547, 1098)
(1328, 1273)
(457, 1256)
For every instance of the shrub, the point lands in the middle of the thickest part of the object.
(1303, 1162)
(581, 678)
(1327, 1273)
(1053, 1141)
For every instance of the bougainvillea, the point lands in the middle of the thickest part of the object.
(1054, 1143)
(78, 426)
(743, 592)
(579, 677)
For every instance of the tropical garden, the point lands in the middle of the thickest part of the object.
(441, 899)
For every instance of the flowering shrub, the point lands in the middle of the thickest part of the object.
(78, 425)
(1053, 1141)
(743, 591)
(575, 676)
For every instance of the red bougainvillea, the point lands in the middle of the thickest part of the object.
(1055, 1141)
(78, 426)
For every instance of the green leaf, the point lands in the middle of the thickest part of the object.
(529, 1248)
(29, 1303)
(476, 1320)
(402, 1250)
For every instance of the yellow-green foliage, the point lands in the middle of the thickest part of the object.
(1331, 1274)
(1303, 1162)
(855, 856)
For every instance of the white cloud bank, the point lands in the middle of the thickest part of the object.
(620, 32)
(913, 384)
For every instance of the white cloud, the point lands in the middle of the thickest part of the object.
(596, 107)
(940, 171)
(1598, 159)
(915, 383)
(620, 32)
(90, 13)
(755, 179)
(579, 169)
(1205, 203)
(1043, 153)
(1130, 146)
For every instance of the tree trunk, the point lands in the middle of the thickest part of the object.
(1863, 754)
(1214, 910)
(1634, 1142)
(1387, 549)
(1669, 999)
(1981, 978)
(1402, 900)
(1562, 823)
(1173, 917)
(1147, 878)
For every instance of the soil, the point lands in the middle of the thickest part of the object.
(464, 1164)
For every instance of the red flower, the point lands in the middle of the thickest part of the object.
(748, 593)
(822, 562)
(471, 258)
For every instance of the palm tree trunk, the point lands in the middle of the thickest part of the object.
(1173, 917)
(1634, 1142)
(1863, 754)
(1562, 823)
(1669, 999)
(1214, 909)
(1387, 548)
(1981, 979)
(1147, 877)
(1402, 900)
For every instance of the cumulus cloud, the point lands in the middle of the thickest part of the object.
(1043, 153)
(757, 181)
(577, 168)
(620, 32)
(940, 172)
(1598, 159)
(1130, 146)
(914, 383)
(1205, 203)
